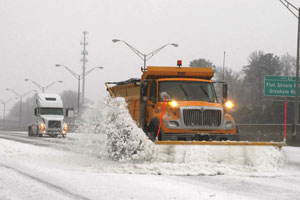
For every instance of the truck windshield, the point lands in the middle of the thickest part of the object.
(187, 91)
(51, 111)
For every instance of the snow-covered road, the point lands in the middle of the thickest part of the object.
(73, 168)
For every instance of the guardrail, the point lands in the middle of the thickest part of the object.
(268, 132)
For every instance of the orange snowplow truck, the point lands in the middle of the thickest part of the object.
(192, 111)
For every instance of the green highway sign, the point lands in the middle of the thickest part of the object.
(284, 86)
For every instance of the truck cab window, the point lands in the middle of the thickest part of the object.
(51, 111)
(152, 93)
(188, 90)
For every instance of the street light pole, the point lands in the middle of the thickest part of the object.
(3, 115)
(41, 87)
(143, 56)
(287, 5)
(20, 96)
(46, 87)
(78, 77)
(4, 107)
(224, 65)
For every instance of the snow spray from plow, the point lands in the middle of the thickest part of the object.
(128, 145)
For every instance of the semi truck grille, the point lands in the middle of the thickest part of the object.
(197, 117)
(54, 124)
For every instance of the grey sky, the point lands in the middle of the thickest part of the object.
(37, 34)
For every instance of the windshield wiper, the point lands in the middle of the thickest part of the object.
(183, 90)
(204, 92)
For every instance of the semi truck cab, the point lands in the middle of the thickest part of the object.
(49, 116)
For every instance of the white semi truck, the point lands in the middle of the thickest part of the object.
(49, 116)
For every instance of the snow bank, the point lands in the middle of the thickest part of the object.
(126, 143)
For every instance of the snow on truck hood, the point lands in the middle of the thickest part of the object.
(53, 117)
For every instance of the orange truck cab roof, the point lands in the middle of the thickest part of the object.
(178, 72)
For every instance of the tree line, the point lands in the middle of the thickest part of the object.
(246, 87)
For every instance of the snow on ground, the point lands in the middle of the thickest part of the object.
(103, 163)
(124, 141)
(37, 172)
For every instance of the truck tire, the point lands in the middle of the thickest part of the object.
(37, 132)
(29, 131)
(153, 128)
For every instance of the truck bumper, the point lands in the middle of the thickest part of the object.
(53, 132)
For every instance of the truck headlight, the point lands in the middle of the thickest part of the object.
(229, 104)
(42, 126)
(65, 127)
(172, 103)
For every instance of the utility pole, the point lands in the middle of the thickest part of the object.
(84, 61)
(290, 6)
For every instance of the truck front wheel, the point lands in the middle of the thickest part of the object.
(29, 131)
(153, 129)
(37, 132)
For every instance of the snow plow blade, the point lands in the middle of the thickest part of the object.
(241, 143)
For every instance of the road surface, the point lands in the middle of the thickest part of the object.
(71, 168)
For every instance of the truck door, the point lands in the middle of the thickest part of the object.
(151, 101)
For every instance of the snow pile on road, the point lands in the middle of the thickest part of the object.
(127, 143)
(213, 160)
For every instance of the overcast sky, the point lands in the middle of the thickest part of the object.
(37, 34)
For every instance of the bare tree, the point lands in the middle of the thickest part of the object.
(288, 65)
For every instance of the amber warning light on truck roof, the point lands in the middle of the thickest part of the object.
(179, 63)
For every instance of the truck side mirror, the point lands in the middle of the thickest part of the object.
(144, 98)
(143, 92)
(225, 91)
(35, 112)
(164, 95)
(70, 112)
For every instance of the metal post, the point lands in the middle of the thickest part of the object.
(20, 120)
(145, 59)
(3, 114)
(142, 56)
(83, 65)
(224, 65)
(78, 95)
(297, 79)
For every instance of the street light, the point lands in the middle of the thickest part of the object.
(145, 57)
(84, 74)
(4, 106)
(290, 6)
(41, 87)
(78, 77)
(20, 96)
